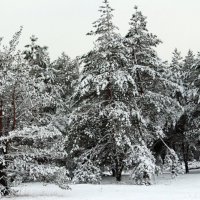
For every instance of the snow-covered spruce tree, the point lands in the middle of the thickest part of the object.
(172, 163)
(176, 66)
(105, 123)
(38, 59)
(176, 59)
(195, 74)
(23, 95)
(190, 129)
(58, 78)
(149, 72)
(66, 74)
(8, 118)
(142, 163)
(36, 55)
(140, 42)
(188, 63)
(157, 101)
(182, 135)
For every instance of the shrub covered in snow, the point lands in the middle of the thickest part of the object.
(87, 172)
(173, 164)
(144, 164)
(34, 154)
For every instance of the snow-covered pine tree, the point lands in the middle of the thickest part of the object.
(49, 79)
(140, 42)
(149, 72)
(66, 73)
(8, 87)
(189, 60)
(24, 95)
(188, 66)
(191, 105)
(195, 74)
(35, 54)
(105, 123)
(157, 102)
(176, 67)
(181, 135)
(176, 59)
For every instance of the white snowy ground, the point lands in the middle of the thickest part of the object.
(184, 187)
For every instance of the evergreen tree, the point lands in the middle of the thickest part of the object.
(24, 95)
(188, 65)
(35, 54)
(157, 101)
(182, 135)
(176, 59)
(8, 87)
(177, 66)
(66, 74)
(140, 42)
(105, 123)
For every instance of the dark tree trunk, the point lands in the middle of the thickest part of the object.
(118, 171)
(141, 89)
(118, 175)
(7, 126)
(186, 166)
(14, 110)
(113, 173)
(185, 149)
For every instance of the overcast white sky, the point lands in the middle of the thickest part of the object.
(62, 24)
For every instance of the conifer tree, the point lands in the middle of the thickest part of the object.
(176, 59)
(23, 128)
(188, 66)
(157, 100)
(66, 74)
(105, 122)
(8, 88)
(184, 131)
(35, 54)
(140, 42)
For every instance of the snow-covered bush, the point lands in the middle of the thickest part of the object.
(87, 172)
(172, 163)
(144, 165)
(35, 154)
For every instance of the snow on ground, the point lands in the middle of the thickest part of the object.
(184, 187)
(194, 164)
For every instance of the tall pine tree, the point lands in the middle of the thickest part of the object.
(105, 124)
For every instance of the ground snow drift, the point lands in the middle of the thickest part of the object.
(184, 187)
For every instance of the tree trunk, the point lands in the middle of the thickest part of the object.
(185, 150)
(118, 171)
(118, 175)
(14, 110)
(186, 166)
(113, 172)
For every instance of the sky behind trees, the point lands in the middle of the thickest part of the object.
(62, 24)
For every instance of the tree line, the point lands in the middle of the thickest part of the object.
(118, 107)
